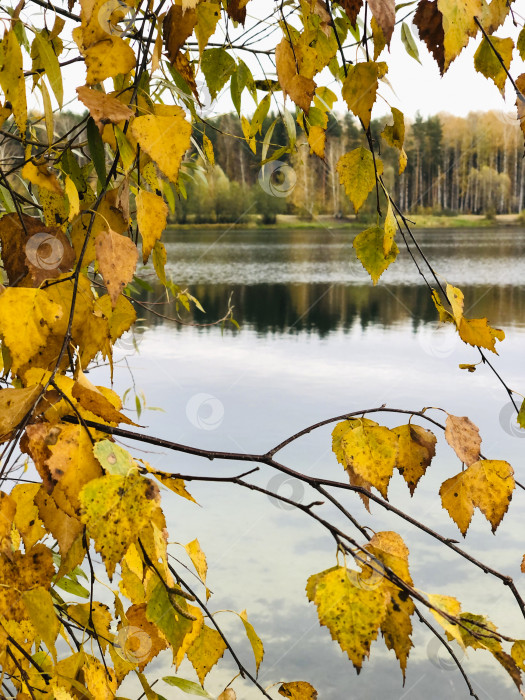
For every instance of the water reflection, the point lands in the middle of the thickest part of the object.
(319, 340)
(290, 282)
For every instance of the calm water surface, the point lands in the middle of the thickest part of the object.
(317, 340)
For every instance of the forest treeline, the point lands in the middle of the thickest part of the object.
(456, 165)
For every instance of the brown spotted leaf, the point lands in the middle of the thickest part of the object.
(464, 438)
(117, 257)
(417, 447)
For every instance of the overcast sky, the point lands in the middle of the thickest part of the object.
(417, 87)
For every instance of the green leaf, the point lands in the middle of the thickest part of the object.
(217, 66)
(50, 64)
(187, 686)
(239, 81)
(370, 249)
(73, 587)
(113, 458)
(408, 42)
(96, 150)
(487, 63)
(521, 415)
(357, 174)
(259, 115)
(520, 44)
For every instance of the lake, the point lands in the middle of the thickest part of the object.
(317, 340)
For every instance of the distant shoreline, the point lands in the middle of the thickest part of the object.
(420, 221)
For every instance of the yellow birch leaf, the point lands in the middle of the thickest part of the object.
(108, 58)
(475, 625)
(299, 87)
(377, 37)
(64, 527)
(26, 518)
(372, 453)
(198, 558)
(298, 690)
(12, 79)
(14, 405)
(99, 679)
(140, 641)
(370, 247)
(394, 134)
(357, 175)
(7, 515)
(337, 434)
(206, 651)
(72, 463)
(487, 485)
(518, 653)
(94, 401)
(450, 606)
(444, 315)
(208, 149)
(352, 614)
(477, 332)
(152, 217)
(40, 175)
(120, 318)
(117, 257)
(208, 14)
(178, 25)
(191, 635)
(178, 486)
(390, 230)
(256, 643)
(29, 570)
(359, 90)
(487, 63)
(115, 509)
(165, 139)
(73, 198)
(114, 458)
(464, 438)
(110, 213)
(396, 627)
(403, 160)
(458, 26)
(105, 109)
(417, 447)
(26, 318)
(39, 605)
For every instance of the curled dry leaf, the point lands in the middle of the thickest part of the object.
(105, 109)
(464, 438)
(298, 690)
